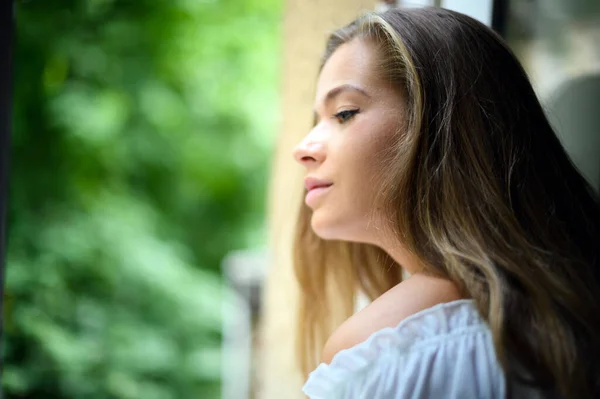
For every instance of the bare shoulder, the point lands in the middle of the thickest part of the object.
(413, 295)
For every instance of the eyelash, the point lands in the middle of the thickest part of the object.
(346, 115)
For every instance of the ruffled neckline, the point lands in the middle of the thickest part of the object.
(429, 324)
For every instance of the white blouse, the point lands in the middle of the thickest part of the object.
(445, 351)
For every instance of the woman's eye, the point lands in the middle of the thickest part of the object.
(345, 116)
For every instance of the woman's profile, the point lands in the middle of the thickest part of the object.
(430, 154)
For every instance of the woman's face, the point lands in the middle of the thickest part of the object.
(357, 112)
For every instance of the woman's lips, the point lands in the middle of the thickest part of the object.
(312, 182)
(316, 192)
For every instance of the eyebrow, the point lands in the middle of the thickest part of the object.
(336, 91)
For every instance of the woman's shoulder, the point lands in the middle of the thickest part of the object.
(416, 294)
(439, 347)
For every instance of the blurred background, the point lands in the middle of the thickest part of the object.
(142, 135)
(153, 193)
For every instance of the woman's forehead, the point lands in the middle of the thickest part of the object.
(351, 64)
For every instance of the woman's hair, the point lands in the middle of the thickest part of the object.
(480, 189)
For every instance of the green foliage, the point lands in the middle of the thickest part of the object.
(142, 131)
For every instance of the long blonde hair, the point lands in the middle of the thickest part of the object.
(481, 190)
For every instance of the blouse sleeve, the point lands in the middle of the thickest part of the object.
(396, 364)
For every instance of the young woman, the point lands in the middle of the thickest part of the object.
(430, 154)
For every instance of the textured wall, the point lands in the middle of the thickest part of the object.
(306, 26)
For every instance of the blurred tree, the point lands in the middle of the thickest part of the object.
(140, 149)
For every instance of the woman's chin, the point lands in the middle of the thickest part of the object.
(327, 228)
(323, 227)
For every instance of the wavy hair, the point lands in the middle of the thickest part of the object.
(480, 188)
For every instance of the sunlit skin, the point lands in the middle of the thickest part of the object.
(357, 113)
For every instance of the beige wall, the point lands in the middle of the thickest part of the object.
(306, 26)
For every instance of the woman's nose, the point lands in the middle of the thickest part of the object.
(309, 152)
